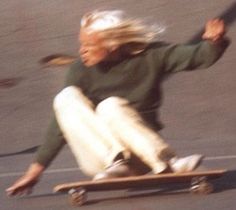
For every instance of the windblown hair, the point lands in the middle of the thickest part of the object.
(117, 31)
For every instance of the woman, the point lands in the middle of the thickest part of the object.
(101, 112)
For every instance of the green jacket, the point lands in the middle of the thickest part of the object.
(135, 78)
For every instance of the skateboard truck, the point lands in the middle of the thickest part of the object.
(78, 196)
(200, 185)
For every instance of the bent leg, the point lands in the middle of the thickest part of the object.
(126, 122)
(93, 146)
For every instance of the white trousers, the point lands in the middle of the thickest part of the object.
(96, 135)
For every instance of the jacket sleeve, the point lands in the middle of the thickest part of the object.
(54, 137)
(190, 57)
(52, 145)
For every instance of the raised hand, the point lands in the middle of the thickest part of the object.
(214, 30)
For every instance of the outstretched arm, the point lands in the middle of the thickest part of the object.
(201, 55)
(45, 154)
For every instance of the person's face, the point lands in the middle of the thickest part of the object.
(92, 49)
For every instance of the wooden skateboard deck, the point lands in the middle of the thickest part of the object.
(198, 181)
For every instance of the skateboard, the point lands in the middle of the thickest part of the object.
(199, 183)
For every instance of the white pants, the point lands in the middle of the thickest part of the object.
(96, 135)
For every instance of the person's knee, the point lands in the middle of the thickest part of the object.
(65, 95)
(110, 105)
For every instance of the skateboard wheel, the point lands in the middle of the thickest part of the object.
(202, 188)
(200, 185)
(77, 197)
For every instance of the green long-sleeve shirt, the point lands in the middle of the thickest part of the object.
(135, 78)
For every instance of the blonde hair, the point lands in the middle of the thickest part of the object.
(117, 30)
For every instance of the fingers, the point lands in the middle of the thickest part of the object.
(22, 186)
(214, 30)
(12, 191)
(19, 191)
(9, 191)
(16, 189)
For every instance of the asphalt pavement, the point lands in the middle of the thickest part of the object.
(197, 111)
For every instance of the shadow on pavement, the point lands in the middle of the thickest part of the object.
(9, 82)
(41, 195)
(23, 152)
(226, 182)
